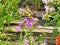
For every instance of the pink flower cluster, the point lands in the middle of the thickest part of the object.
(26, 22)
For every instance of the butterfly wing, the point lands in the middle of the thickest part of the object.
(28, 12)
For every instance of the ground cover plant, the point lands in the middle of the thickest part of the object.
(9, 12)
(28, 23)
(52, 15)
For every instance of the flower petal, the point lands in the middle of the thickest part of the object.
(18, 28)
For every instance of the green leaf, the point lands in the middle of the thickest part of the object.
(15, 8)
(55, 32)
(58, 9)
(55, 18)
(46, 24)
(58, 23)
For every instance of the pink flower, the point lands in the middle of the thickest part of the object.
(34, 19)
(28, 24)
(25, 19)
(26, 43)
(18, 28)
(20, 23)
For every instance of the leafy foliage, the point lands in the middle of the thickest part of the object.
(36, 2)
(55, 33)
(53, 17)
(8, 11)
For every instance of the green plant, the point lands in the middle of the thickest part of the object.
(8, 11)
(37, 3)
(52, 16)
(28, 23)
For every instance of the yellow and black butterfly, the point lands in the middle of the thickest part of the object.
(26, 12)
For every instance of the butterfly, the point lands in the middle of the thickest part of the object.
(26, 12)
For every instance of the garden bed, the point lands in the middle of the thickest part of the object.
(12, 32)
